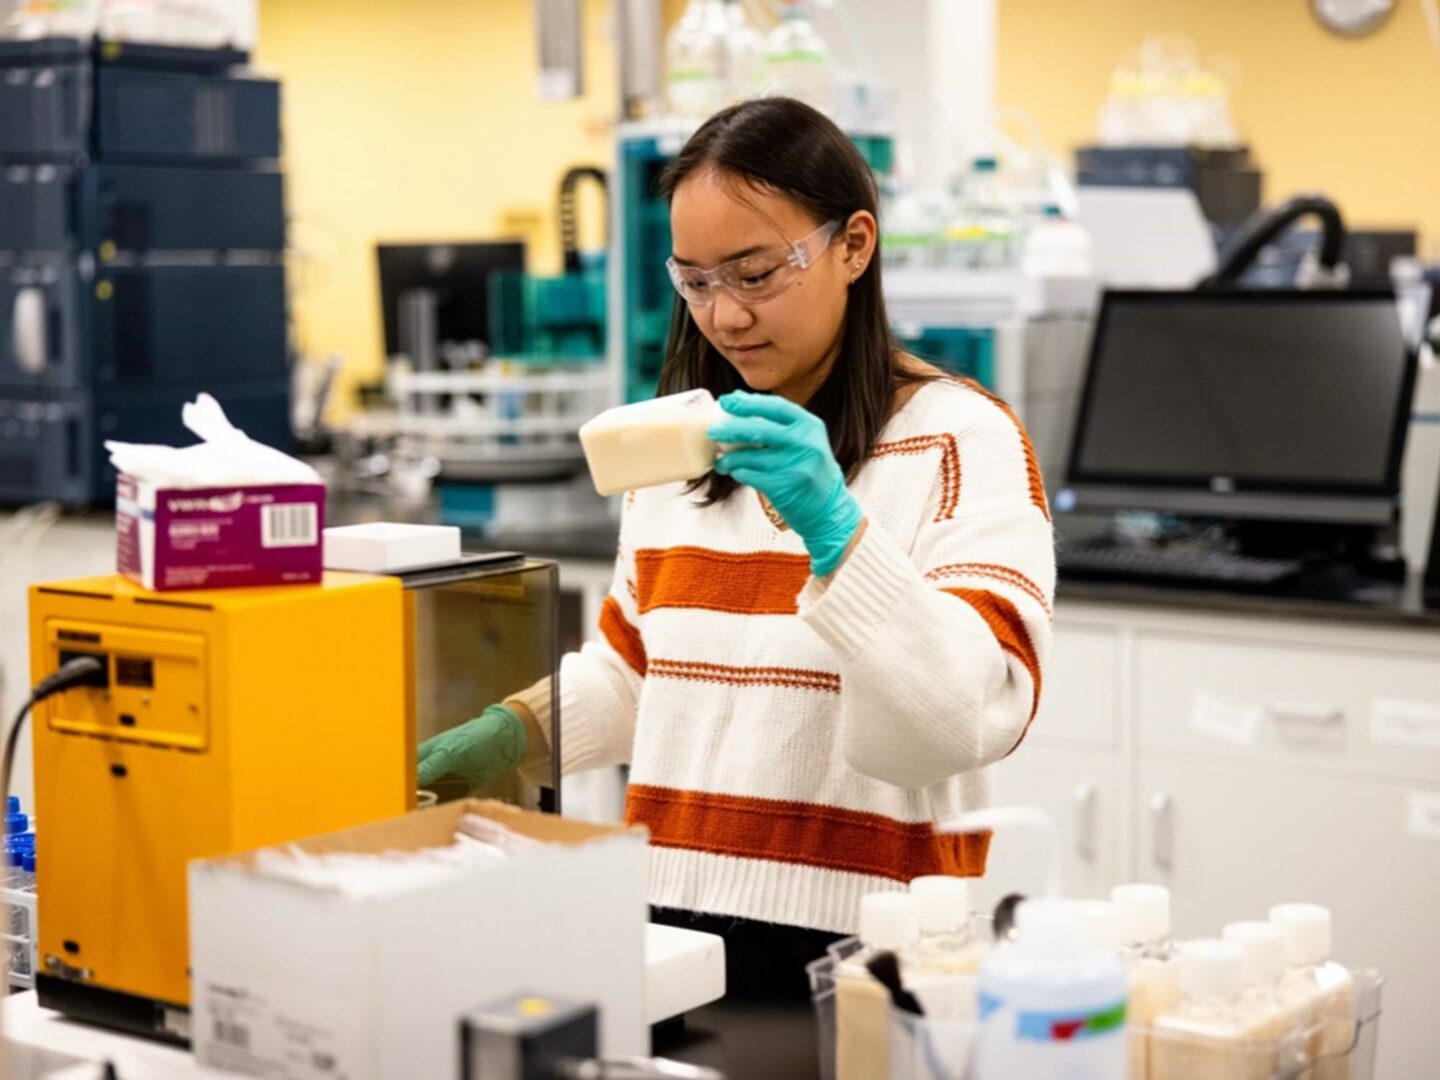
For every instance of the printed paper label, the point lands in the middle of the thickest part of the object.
(1226, 719)
(279, 1034)
(1422, 817)
(1405, 723)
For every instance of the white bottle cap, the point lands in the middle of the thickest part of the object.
(889, 920)
(1307, 932)
(944, 903)
(1050, 923)
(1144, 912)
(1102, 924)
(1264, 947)
(1210, 967)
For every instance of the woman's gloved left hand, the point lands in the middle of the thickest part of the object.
(785, 454)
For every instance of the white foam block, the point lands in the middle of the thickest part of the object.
(387, 547)
(684, 969)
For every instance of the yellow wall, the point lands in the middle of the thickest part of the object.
(1357, 119)
(418, 120)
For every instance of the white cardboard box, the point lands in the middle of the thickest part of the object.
(383, 547)
(292, 982)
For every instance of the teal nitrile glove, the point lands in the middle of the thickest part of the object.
(785, 455)
(477, 751)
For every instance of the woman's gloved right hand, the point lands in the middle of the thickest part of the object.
(477, 751)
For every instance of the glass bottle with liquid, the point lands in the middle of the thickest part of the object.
(889, 922)
(1318, 989)
(1149, 956)
(1214, 1032)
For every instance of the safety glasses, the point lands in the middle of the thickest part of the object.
(755, 278)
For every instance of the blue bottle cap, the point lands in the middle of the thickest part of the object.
(15, 858)
(12, 805)
(16, 823)
(29, 862)
(25, 841)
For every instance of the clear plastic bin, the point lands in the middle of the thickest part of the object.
(922, 1049)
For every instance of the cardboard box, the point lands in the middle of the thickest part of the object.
(292, 982)
(215, 538)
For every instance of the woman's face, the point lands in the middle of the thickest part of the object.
(787, 343)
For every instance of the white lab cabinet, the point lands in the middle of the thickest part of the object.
(1247, 758)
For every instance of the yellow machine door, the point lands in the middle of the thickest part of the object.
(136, 813)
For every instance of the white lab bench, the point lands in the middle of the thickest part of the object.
(1247, 752)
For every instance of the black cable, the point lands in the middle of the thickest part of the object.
(80, 671)
(569, 225)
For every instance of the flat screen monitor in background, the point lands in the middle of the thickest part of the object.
(459, 274)
(1288, 406)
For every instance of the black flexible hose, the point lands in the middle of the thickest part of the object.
(1265, 225)
(80, 671)
(569, 225)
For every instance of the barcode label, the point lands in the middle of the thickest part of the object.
(236, 1035)
(289, 525)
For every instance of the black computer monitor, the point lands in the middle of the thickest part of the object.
(1259, 406)
(459, 274)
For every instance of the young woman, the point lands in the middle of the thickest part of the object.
(810, 656)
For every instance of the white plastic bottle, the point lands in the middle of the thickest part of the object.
(1057, 247)
(889, 922)
(697, 60)
(1263, 946)
(1318, 988)
(945, 945)
(1149, 957)
(1052, 1005)
(1212, 1034)
(797, 59)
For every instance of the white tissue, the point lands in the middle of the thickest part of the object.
(225, 456)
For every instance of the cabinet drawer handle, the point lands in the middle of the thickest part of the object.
(1162, 814)
(1085, 821)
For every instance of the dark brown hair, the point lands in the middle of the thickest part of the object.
(783, 146)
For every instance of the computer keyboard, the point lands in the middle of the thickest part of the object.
(1181, 565)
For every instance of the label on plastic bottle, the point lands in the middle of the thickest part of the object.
(1059, 1025)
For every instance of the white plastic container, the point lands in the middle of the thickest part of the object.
(1321, 991)
(1052, 1005)
(947, 945)
(1214, 1033)
(1057, 247)
(1149, 957)
(651, 442)
(889, 922)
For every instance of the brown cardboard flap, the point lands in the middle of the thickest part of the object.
(436, 827)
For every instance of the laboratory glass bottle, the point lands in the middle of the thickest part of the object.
(1212, 1033)
(697, 60)
(744, 54)
(1052, 1005)
(797, 59)
(1149, 956)
(1319, 989)
(889, 922)
(946, 945)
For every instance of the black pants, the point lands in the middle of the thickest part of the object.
(763, 961)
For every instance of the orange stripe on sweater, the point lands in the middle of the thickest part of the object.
(807, 834)
(949, 465)
(1009, 630)
(751, 583)
(623, 638)
(726, 674)
(995, 572)
(1032, 464)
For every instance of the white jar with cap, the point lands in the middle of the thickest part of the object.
(1211, 1035)
(889, 922)
(947, 945)
(1316, 987)
(1149, 953)
(1052, 1004)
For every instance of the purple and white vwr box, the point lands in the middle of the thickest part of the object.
(217, 538)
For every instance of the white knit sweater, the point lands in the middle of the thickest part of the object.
(792, 740)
